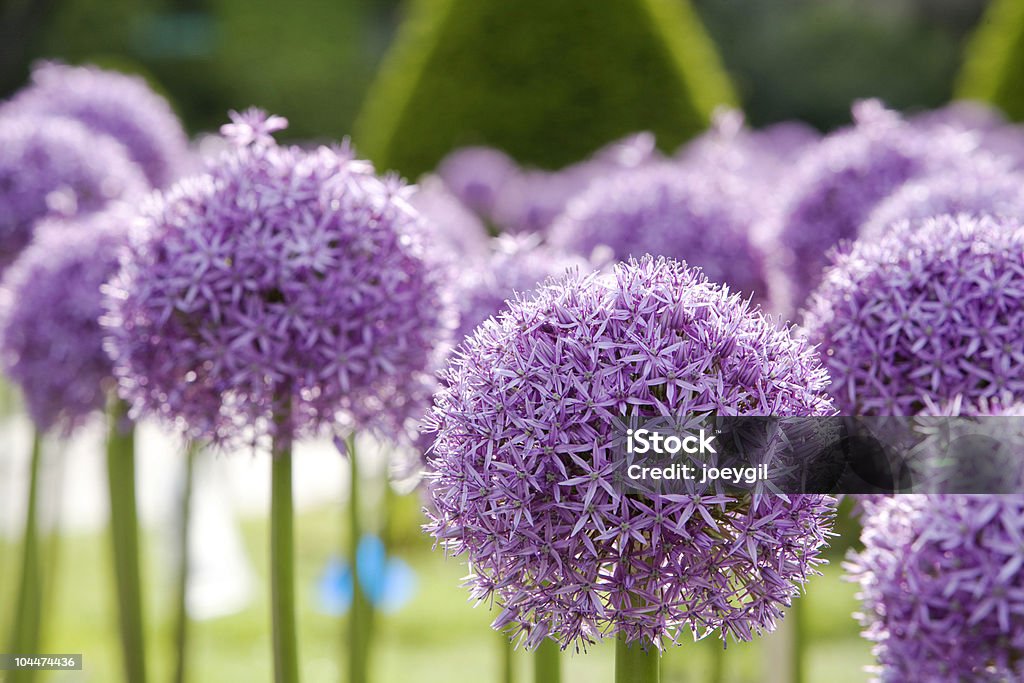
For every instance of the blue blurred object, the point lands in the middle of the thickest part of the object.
(389, 582)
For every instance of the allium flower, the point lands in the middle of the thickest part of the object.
(760, 156)
(282, 290)
(56, 167)
(122, 106)
(517, 265)
(51, 343)
(523, 467)
(987, 191)
(475, 175)
(837, 185)
(664, 210)
(932, 311)
(455, 227)
(942, 585)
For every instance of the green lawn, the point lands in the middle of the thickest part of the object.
(438, 638)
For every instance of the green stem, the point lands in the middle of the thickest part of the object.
(181, 618)
(360, 617)
(124, 524)
(547, 664)
(717, 661)
(634, 664)
(282, 564)
(796, 652)
(508, 671)
(25, 634)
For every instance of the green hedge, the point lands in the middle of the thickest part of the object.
(548, 81)
(993, 69)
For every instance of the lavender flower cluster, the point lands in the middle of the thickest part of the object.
(931, 312)
(56, 169)
(51, 342)
(118, 105)
(281, 291)
(523, 476)
(942, 587)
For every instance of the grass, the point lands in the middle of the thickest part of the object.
(437, 638)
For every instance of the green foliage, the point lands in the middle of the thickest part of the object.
(547, 81)
(309, 60)
(994, 61)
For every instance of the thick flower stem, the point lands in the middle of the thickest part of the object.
(181, 617)
(634, 664)
(547, 663)
(508, 672)
(796, 652)
(717, 663)
(359, 624)
(124, 526)
(282, 564)
(25, 636)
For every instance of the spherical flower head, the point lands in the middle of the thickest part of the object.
(456, 229)
(663, 210)
(942, 587)
(836, 186)
(987, 191)
(282, 290)
(121, 106)
(760, 156)
(516, 266)
(523, 472)
(931, 312)
(56, 167)
(532, 199)
(51, 342)
(475, 175)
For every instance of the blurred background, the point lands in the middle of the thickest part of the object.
(313, 60)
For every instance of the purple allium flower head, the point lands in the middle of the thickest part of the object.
(941, 581)
(282, 290)
(517, 265)
(51, 342)
(475, 175)
(835, 187)
(760, 156)
(992, 191)
(454, 226)
(661, 209)
(523, 466)
(56, 167)
(531, 200)
(119, 105)
(932, 311)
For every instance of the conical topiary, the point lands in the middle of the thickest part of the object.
(546, 81)
(995, 58)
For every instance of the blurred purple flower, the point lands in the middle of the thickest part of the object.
(985, 190)
(51, 343)
(760, 157)
(121, 106)
(523, 471)
(664, 210)
(836, 186)
(475, 175)
(941, 581)
(932, 311)
(456, 229)
(56, 167)
(279, 292)
(517, 265)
